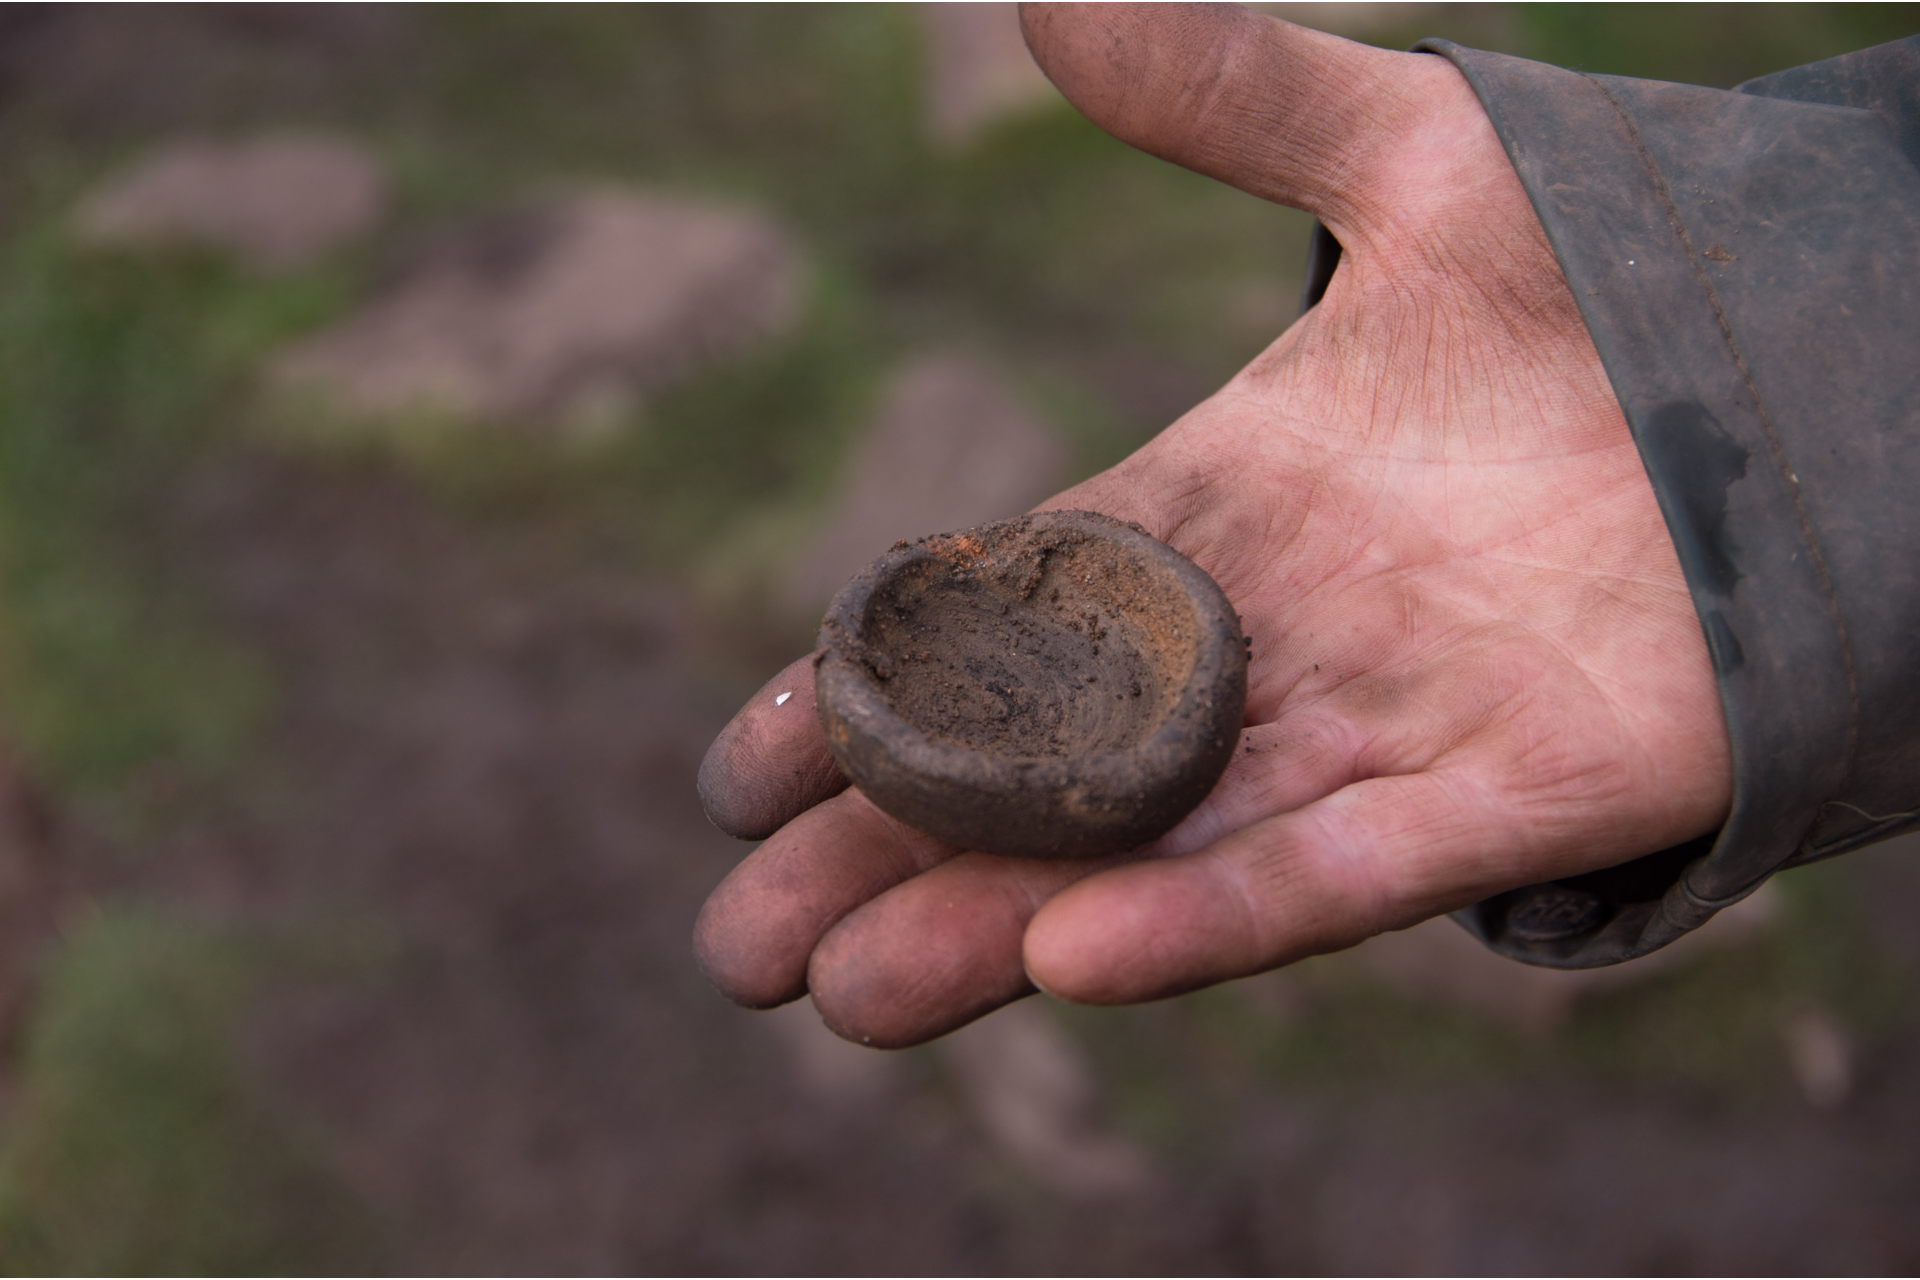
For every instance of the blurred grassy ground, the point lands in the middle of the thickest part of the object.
(1117, 288)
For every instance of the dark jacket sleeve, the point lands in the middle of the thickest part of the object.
(1748, 263)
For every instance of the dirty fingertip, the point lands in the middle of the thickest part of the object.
(770, 763)
(732, 956)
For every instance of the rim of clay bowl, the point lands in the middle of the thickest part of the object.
(1036, 806)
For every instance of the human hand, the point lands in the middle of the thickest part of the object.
(1475, 663)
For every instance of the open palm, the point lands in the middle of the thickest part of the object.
(1475, 664)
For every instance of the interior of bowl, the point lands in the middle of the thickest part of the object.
(1032, 642)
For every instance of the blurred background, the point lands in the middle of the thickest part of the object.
(419, 428)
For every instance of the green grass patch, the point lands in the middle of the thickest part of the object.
(139, 1148)
(115, 374)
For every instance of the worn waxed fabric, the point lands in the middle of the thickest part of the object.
(1748, 263)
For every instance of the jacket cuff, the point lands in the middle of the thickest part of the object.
(1748, 264)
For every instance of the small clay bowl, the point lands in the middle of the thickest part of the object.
(1062, 685)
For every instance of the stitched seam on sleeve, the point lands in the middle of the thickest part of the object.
(1807, 533)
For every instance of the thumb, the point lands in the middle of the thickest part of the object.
(1291, 115)
(1379, 854)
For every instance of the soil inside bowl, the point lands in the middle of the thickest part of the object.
(1031, 643)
